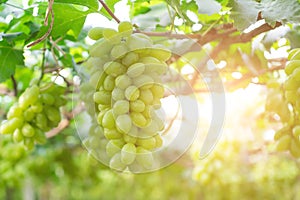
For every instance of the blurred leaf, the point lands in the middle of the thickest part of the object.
(9, 59)
(208, 7)
(3, 1)
(294, 37)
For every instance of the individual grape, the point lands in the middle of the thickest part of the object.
(146, 96)
(125, 28)
(121, 107)
(129, 138)
(96, 33)
(124, 123)
(147, 143)
(123, 81)
(116, 162)
(109, 83)
(108, 120)
(128, 153)
(118, 51)
(114, 68)
(137, 106)
(143, 81)
(132, 93)
(144, 157)
(118, 94)
(102, 97)
(130, 58)
(111, 134)
(135, 70)
(138, 119)
(28, 130)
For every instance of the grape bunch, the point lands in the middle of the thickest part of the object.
(36, 112)
(288, 137)
(126, 69)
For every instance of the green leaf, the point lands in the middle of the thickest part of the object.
(244, 13)
(92, 4)
(208, 7)
(67, 18)
(111, 5)
(3, 1)
(280, 10)
(9, 59)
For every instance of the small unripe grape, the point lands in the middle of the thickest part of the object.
(118, 51)
(132, 93)
(109, 83)
(116, 163)
(147, 143)
(108, 120)
(111, 35)
(102, 97)
(143, 81)
(118, 94)
(135, 70)
(146, 96)
(121, 107)
(112, 134)
(128, 153)
(18, 136)
(123, 81)
(130, 58)
(47, 99)
(114, 146)
(28, 130)
(137, 106)
(144, 157)
(125, 28)
(124, 123)
(96, 33)
(114, 68)
(14, 111)
(129, 138)
(138, 119)
(53, 114)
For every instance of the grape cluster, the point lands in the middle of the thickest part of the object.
(36, 112)
(288, 137)
(126, 71)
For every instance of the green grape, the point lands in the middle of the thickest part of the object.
(137, 106)
(292, 53)
(40, 137)
(28, 130)
(146, 96)
(147, 143)
(130, 58)
(129, 138)
(121, 107)
(109, 83)
(125, 70)
(111, 36)
(116, 162)
(124, 123)
(295, 148)
(114, 68)
(125, 28)
(29, 143)
(10, 125)
(52, 114)
(96, 33)
(18, 136)
(38, 107)
(41, 121)
(14, 111)
(100, 48)
(291, 66)
(128, 153)
(138, 119)
(108, 120)
(118, 94)
(283, 143)
(102, 97)
(28, 115)
(123, 81)
(47, 99)
(118, 51)
(135, 70)
(111, 134)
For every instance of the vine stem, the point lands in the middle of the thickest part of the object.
(43, 62)
(15, 85)
(109, 11)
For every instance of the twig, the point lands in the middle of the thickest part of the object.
(50, 10)
(15, 85)
(109, 11)
(43, 62)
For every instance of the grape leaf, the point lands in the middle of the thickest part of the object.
(92, 4)
(280, 10)
(9, 59)
(208, 7)
(245, 12)
(67, 17)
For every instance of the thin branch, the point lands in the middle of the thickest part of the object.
(50, 10)
(43, 62)
(15, 85)
(109, 11)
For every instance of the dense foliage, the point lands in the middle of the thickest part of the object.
(62, 73)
